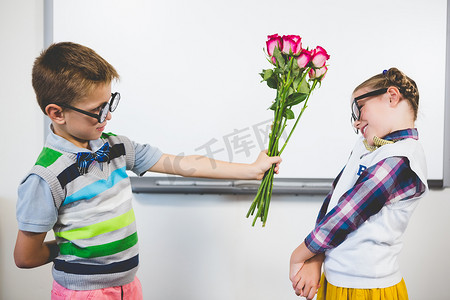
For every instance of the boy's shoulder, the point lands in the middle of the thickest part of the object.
(49, 166)
(48, 156)
(114, 138)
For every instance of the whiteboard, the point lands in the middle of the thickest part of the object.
(190, 80)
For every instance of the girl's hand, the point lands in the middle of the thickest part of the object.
(294, 275)
(298, 258)
(308, 284)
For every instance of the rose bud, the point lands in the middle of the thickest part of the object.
(318, 73)
(304, 58)
(319, 57)
(272, 42)
(292, 44)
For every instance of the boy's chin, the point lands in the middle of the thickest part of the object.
(98, 136)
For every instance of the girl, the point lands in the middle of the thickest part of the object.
(359, 227)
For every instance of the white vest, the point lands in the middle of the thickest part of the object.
(368, 257)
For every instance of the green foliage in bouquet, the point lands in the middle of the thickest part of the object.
(295, 74)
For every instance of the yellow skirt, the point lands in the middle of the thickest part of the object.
(328, 291)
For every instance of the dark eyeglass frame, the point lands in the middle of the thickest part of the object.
(356, 109)
(103, 113)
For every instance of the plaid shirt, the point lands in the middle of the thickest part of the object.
(389, 181)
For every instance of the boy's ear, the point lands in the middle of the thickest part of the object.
(394, 95)
(55, 113)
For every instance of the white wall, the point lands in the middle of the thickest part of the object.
(192, 247)
(21, 127)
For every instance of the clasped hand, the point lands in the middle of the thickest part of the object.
(305, 276)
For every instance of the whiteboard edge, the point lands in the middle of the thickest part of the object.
(446, 166)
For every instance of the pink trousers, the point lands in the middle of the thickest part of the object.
(131, 291)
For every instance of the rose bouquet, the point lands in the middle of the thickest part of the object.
(295, 74)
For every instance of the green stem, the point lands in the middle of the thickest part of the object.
(275, 125)
(267, 199)
(282, 129)
(259, 196)
(282, 92)
(279, 123)
(261, 206)
(298, 118)
(262, 199)
(255, 201)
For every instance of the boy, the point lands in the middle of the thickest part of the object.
(79, 186)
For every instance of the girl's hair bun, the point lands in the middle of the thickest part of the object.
(395, 77)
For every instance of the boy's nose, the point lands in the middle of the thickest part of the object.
(109, 116)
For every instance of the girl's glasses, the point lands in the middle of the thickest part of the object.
(103, 113)
(356, 109)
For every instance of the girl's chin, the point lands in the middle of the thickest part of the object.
(369, 140)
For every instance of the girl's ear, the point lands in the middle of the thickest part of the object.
(394, 95)
(55, 113)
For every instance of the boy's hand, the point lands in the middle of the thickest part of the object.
(264, 163)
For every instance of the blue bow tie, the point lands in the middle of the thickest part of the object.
(85, 159)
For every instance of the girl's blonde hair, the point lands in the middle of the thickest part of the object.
(395, 77)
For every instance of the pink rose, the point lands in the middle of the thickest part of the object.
(319, 57)
(272, 42)
(292, 44)
(304, 58)
(318, 73)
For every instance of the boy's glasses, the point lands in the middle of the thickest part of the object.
(103, 113)
(356, 109)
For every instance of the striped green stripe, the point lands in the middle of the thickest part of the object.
(100, 250)
(47, 157)
(98, 228)
(105, 135)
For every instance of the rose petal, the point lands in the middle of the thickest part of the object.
(319, 57)
(318, 73)
(292, 44)
(273, 41)
(304, 58)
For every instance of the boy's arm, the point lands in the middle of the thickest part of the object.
(310, 277)
(201, 166)
(31, 251)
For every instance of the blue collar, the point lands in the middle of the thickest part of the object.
(411, 133)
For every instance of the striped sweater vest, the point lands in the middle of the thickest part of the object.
(96, 229)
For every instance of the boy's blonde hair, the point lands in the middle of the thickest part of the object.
(395, 77)
(66, 72)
